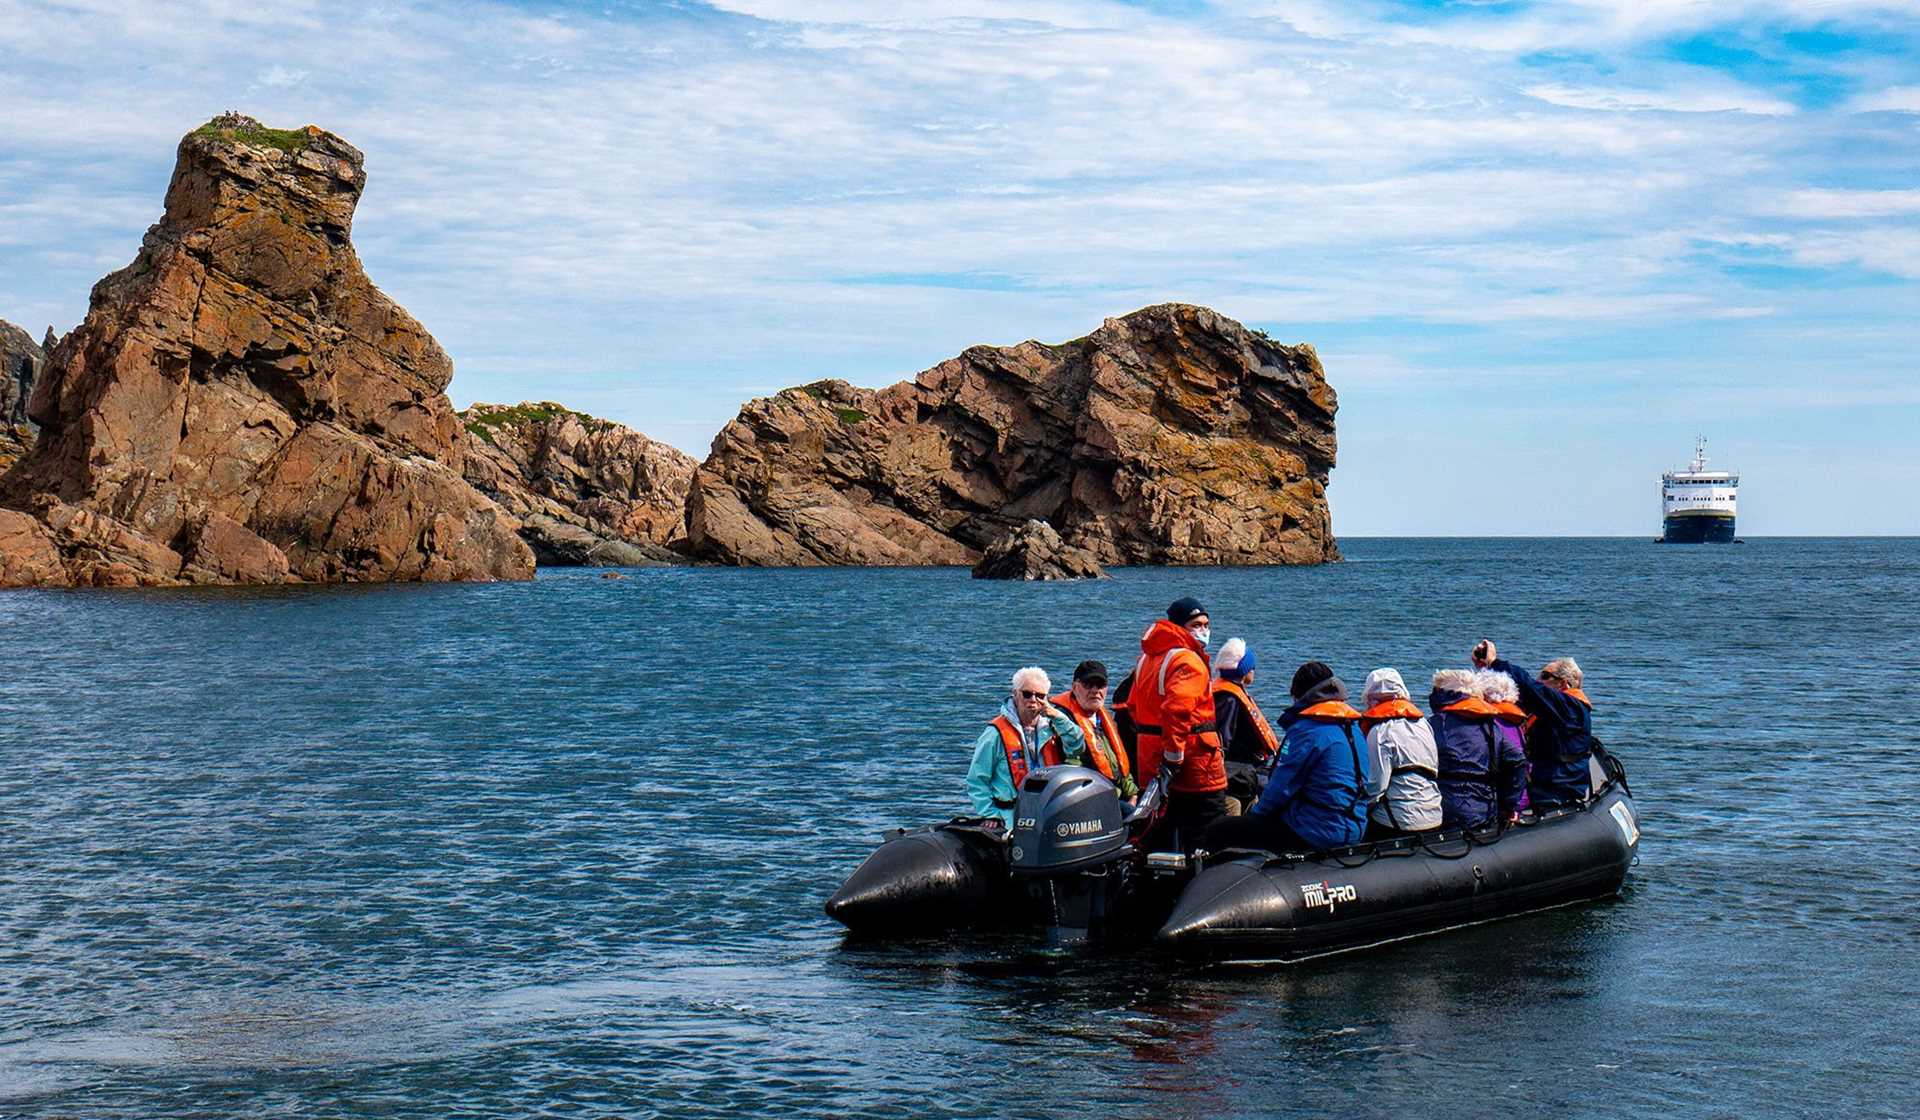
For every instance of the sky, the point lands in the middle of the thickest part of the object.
(1539, 247)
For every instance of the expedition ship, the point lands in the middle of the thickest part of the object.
(1698, 504)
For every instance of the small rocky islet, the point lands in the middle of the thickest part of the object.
(242, 405)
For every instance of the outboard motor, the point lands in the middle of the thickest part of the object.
(1070, 842)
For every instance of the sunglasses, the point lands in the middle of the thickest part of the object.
(1033, 695)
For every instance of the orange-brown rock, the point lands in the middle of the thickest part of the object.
(244, 401)
(1172, 435)
(586, 490)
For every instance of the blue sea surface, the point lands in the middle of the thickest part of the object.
(559, 848)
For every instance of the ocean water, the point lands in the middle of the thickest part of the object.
(559, 849)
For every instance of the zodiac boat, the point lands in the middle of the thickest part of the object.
(1073, 865)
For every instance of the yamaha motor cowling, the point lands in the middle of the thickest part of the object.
(1071, 844)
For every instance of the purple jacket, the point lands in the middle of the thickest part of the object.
(1515, 740)
(1482, 773)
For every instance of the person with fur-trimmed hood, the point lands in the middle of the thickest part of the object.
(1316, 797)
(1559, 733)
(1406, 763)
(1481, 774)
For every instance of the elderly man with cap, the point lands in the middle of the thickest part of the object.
(1085, 703)
(1029, 733)
(1172, 709)
(1316, 797)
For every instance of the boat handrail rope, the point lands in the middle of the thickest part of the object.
(1468, 838)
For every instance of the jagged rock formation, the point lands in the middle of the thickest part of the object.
(243, 405)
(586, 490)
(1034, 552)
(1169, 436)
(20, 362)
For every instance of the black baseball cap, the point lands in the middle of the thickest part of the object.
(1090, 672)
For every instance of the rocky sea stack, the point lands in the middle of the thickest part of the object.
(242, 405)
(1172, 435)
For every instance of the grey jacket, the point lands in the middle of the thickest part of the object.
(1405, 750)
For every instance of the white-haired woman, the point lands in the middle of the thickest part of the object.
(1406, 764)
(1560, 734)
(1481, 777)
(1028, 733)
(1509, 719)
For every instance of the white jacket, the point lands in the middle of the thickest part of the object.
(1405, 764)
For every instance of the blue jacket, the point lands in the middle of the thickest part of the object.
(990, 783)
(1559, 740)
(1320, 779)
(1482, 772)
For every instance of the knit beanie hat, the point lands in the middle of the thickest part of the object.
(1185, 610)
(1308, 675)
(1235, 660)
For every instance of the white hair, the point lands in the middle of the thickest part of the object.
(1495, 687)
(1563, 670)
(1035, 675)
(1454, 680)
(1383, 684)
(1230, 654)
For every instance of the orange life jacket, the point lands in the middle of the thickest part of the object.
(1581, 696)
(1509, 712)
(1269, 742)
(1204, 768)
(1330, 710)
(1472, 706)
(1015, 745)
(1066, 703)
(1389, 709)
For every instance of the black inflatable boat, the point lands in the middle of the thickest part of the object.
(1074, 866)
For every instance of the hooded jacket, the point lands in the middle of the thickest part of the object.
(1172, 708)
(990, 783)
(1559, 740)
(1320, 779)
(1406, 763)
(1481, 773)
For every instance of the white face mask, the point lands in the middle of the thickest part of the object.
(1203, 635)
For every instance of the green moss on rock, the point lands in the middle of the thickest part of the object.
(242, 129)
(481, 420)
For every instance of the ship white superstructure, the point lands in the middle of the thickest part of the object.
(1698, 505)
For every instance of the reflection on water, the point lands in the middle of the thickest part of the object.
(560, 849)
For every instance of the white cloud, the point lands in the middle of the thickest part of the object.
(1723, 100)
(1894, 251)
(1894, 99)
(1828, 203)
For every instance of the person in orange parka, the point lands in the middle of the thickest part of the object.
(1171, 702)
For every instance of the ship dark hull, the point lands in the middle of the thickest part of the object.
(1699, 530)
